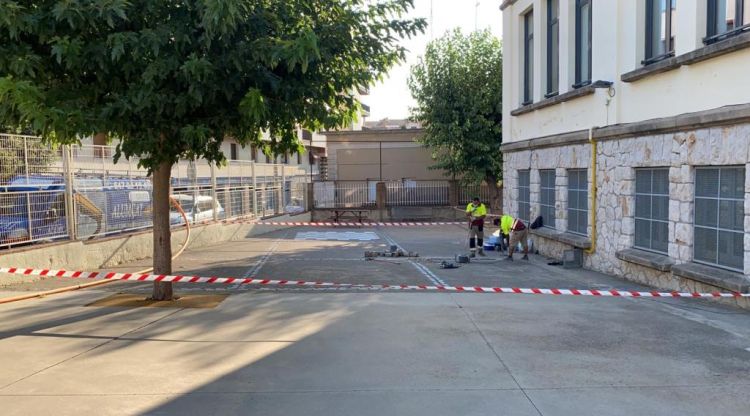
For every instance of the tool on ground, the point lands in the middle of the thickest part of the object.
(462, 259)
(448, 265)
(396, 253)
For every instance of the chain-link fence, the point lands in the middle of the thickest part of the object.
(78, 192)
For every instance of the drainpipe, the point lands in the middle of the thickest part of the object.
(592, 193)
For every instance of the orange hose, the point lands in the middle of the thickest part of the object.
(102, 282)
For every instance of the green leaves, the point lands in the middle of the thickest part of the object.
(458, 89)
(171, 79)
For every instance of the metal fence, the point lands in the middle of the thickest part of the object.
(468, 192)
(417, 193)
(403, 193)
(345, 194)
(78, 192)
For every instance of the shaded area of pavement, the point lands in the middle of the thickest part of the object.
(316, 352)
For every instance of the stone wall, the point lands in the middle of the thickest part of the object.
(680, 152)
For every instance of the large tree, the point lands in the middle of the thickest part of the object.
(457, 85)
(170, 79)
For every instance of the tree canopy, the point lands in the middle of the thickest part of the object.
(457, 85)
(172, 78)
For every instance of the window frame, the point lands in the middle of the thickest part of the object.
(553, 50)
(718, 227)
(579, 81)
(711, 27)
(650, 58)
(549, 221)
(651, 218)
(528, 57)
(577, 191)
(524, 187)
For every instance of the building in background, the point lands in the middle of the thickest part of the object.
(626, 125)
(379, 155)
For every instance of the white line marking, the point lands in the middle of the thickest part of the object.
(420, 267)
(427, 272)
(255, 269)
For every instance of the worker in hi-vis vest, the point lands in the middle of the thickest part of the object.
(506, 221)
(476, 213)
(519, 233)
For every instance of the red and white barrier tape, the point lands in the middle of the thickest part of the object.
(364, 224)
(297, 283)
(351, 224)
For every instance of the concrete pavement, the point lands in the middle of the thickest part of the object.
(313, 352)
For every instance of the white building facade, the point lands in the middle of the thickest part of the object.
(626, 125)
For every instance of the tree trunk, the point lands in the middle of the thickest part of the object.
(496, 203)
(161, 231)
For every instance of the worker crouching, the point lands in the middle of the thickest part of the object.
(519, 233)
(476, 212)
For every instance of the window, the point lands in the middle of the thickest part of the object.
(652, 209)
(583, 43)
(524, 195)
(727, 18)
(233, 151)
(547, 197)
(528, 58)
(299, 158)
(720, 216)
(254, 153)
(578, 201)
(553, 47)
(660, 30)
(286, 158)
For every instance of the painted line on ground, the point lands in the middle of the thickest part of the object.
(420, 267)
(256, 266)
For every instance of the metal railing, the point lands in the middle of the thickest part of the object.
(344, 194)
(413, 193)
(417, 193)
(468, 192)
(78, 192)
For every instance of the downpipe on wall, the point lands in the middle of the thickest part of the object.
(594, 188)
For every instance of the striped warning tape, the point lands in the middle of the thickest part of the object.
(299, 283)
(353, 224)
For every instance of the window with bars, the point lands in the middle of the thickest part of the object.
(720, 216)
(528, 58)
(727, 18)
(652, 209)
(524, 195)
(553, 47)
(583, 43)
(578, 201)
(660, 30)
(547, 197)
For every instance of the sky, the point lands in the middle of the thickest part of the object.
(391, 98)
